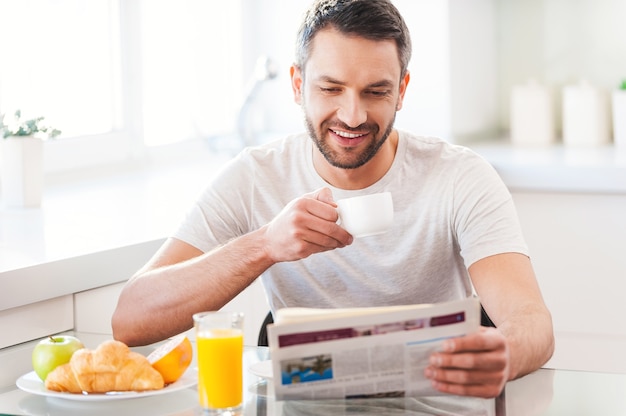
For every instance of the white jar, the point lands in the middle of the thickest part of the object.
(532, 115)
(585, 116)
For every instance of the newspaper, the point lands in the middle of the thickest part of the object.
(363, 352)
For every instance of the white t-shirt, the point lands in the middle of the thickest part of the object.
(450, 210)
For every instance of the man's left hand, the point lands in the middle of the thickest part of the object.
(472, 365)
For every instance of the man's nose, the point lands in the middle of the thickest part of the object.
(352, 110)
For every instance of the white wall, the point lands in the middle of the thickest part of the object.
(472, 49)
(270, 28)
(577, 245)
(426, 108)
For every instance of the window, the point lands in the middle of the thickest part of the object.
(63, 64)
(117, 76)
(191, 60)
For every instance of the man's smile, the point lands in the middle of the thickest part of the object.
(345, 138)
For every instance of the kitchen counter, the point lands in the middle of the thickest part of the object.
(95, 211)
(558, 168)
(95, 214)
(92, 230)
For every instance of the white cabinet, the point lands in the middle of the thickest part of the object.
(36, 320)
(94, 308)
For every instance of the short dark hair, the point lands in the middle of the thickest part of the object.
(370, 19)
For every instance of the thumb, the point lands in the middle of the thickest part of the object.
(324, 195)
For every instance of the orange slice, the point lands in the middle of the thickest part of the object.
(172, 358)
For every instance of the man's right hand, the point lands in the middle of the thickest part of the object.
(307, 225)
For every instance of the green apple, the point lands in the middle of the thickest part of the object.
(53, 351)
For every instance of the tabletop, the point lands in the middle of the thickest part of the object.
(545, 392)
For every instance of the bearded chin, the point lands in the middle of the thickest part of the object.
(334, 159)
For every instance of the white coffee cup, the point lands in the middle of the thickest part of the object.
(366, 215)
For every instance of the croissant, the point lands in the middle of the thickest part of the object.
(110, 367)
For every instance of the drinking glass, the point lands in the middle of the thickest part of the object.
(219, 345)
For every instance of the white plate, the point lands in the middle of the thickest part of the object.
(31, 383)
(262, 369)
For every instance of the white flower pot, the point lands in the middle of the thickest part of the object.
(21, 171)
(619, 118)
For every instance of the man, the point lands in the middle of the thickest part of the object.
(271, 213)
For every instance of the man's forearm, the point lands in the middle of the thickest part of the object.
(530, 339)
(159, 302)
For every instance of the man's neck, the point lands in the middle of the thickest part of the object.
(363, 176)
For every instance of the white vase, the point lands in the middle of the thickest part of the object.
(619, 118)
(585, 115)
(21, 171)
(532, 115)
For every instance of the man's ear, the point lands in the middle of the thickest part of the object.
(403, 85)
(296, 83)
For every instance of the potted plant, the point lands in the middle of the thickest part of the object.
(21, 158)
(619, 116)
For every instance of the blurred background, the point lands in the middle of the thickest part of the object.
(123, 79)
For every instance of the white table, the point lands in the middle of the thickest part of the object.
(543, 393)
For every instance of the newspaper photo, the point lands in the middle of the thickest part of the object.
(363, 352)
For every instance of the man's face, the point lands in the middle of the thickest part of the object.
(350, 91)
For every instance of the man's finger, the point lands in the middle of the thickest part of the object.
(484, 340)
(324, 195)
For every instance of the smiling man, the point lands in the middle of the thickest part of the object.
(271, 214)
(350, 111)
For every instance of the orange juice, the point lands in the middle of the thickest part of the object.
(220, 353)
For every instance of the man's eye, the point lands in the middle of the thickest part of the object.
(329, 89)
(377, 93)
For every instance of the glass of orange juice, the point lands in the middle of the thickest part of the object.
(219, 345)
